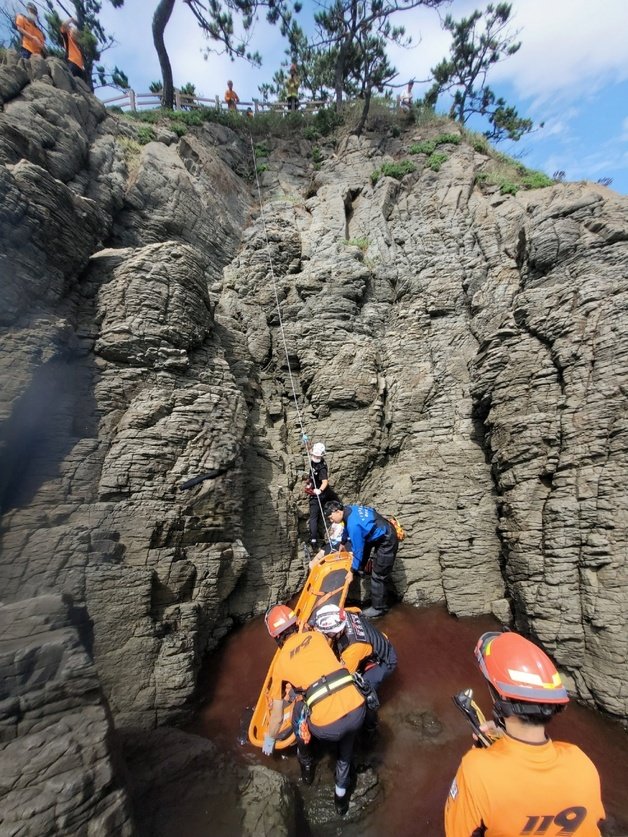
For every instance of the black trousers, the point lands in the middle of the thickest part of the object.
(76, 70)
(315, 510)
(384, 551)
(343, 731)
(375, 675)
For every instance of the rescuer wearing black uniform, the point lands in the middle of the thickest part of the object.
(318, 489)
(361, 648)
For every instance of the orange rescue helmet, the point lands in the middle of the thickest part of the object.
(518, 670)
(279, 618)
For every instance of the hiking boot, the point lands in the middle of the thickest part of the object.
(307, 773)
(374, 612)
(341, 803)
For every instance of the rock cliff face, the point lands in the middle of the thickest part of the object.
(462, 354)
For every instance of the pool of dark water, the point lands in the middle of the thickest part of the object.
(422, 735)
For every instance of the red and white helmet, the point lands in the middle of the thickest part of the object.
(330, 620)
(279, 618)
(519, 671)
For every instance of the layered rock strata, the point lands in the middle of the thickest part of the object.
(58, 763)
(461, 352)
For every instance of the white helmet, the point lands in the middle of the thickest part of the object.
(330, 620)
(318, 449)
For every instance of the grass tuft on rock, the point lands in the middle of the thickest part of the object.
(397, 170)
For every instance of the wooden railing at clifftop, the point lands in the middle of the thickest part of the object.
(140, 101)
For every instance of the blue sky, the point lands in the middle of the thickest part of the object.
(571, 72)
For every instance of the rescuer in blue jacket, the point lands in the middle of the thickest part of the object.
(368, 532)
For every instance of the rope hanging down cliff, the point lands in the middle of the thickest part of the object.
(304, 436)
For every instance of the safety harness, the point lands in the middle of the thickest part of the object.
(327, 685)
(359, 630)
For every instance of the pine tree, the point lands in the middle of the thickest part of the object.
(348, 52)
(160, 21)
(218, 21)
(479, 42)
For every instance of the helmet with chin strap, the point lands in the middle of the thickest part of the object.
(522, 679)
(330, 619)
(318, 449)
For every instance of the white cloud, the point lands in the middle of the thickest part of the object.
(569, 47)
(556, 123)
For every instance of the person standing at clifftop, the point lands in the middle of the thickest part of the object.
(73, 54)
(292, 88)
(231, 97)
(32, 37)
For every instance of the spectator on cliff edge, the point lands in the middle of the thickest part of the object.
(27, 25)
(231, 97)
(292, 88)
(73, 55)
(405, 101)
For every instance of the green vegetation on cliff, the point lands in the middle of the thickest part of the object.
(437, 141)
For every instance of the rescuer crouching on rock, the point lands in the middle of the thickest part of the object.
(362, 649)
(331, 709)
(524, 783)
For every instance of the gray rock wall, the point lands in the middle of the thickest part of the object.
(119, 387)
(56, 756)
(182, 783)
(461, 354)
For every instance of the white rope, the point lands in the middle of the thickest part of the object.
(304, 436)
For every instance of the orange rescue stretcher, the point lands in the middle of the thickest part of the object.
(326, 584)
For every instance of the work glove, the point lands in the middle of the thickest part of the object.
(268, 745)
(317, 491)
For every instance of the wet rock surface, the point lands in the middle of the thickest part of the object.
(462, 354)
(425, 724)
(181, 783)
(319, 810)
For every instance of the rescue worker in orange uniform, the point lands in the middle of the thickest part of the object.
(73, 54)
(524, 783)
(32, 37)
(361, 648)
(231, 97)
(334, 704)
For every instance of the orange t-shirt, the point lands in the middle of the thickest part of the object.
(303, 659)
(353, 655)
(231, 98)
(72, 48)
(32, 36)
(514, 789)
